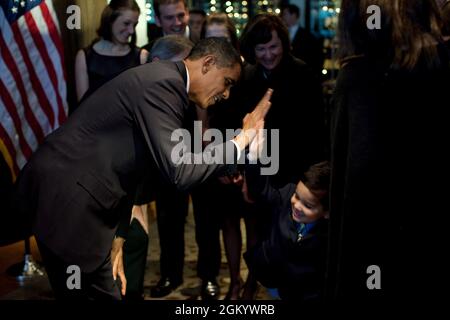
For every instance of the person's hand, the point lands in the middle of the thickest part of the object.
(254, 121)
(256, 146)
(117, 262)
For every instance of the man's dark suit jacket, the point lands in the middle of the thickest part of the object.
(82, 180)
(307, 47)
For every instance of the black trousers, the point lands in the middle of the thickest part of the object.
(97, 285)
(172, 209)
(134, 259)
(207, 229)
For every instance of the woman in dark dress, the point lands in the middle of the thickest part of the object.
(115, 50)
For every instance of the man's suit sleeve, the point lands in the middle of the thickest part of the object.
(159, 113)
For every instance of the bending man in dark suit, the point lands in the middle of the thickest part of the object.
(82, 180)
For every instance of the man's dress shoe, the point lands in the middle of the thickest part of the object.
(164, 287)
(210, 290)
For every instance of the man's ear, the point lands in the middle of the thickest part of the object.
(158, 22)
(208, 62)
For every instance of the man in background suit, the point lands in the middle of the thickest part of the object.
(305, 45)
(82, 180)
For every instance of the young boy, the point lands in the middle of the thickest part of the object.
(292, 258)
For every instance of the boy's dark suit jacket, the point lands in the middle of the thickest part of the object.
(83, 178)
(280, 261)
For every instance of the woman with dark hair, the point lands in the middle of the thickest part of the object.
(114, 51)
(220, 25)
(388, 132)
(297, 109)
(262, 29)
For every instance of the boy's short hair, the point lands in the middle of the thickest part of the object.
(317, 180)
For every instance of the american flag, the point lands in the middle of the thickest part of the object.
(32, 79)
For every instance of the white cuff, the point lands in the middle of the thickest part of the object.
(252, 157)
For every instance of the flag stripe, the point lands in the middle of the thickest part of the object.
(49, 7)
(8, 126)
(53, 44)
(34, 30)
(40, 68)
(35, 81)
(53, 31)
(8, 152)
(12, 86)
(11, 134)
(48, 13)
(30, 97)
(31, 119)
(9, 103)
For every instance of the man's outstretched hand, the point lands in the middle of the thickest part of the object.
(254, 121)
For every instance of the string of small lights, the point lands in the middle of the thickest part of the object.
(149, 15)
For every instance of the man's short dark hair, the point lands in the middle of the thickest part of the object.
(170, 46)
(317, 180)
(292, 8)
(158, 3)
(221, 48)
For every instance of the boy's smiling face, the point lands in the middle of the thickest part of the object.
(306, 206)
